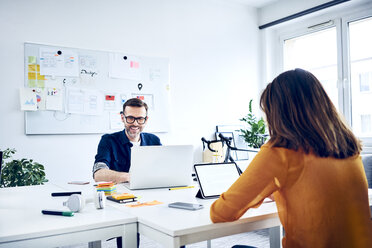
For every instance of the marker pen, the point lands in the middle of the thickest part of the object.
(65, 193)
(56, 212)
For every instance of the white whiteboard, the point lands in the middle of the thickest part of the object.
(152, 82)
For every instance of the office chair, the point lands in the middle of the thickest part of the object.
(367, 163)
(1, 163)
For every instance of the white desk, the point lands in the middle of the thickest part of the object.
(175, 227)
(23, 225)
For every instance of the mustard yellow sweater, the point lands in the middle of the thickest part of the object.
(322, 202)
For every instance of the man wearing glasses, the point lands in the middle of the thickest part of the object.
(112, 161)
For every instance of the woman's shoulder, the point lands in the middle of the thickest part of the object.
(270, 147)
(281, 153)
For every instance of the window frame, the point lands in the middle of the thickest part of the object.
(340, 19)
(362, 14)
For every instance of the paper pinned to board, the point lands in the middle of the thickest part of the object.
(147, 98)
(116, 123)
(83, 101)
(28, 99)
(54, 99)
(125, 66)
(40, 98)
(58, 62)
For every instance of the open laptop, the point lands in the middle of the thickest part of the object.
(160, 166)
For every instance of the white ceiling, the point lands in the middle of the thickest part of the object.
(255, 3)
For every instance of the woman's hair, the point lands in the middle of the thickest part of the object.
(300, 115)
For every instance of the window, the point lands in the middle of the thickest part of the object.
(365, 81)
(366, 124)
(317, 53)
(360, 59)
(339, 53)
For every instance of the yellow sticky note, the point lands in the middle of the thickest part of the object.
(38, 67)
(139, 204)
(32, 83)
(31, 76)
(40, 83)
(40, 77)
(32, 59)
(31, 68)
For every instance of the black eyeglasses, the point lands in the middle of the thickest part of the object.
(132, 119)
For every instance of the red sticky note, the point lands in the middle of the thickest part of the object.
(110, 98)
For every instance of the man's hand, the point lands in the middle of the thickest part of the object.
(111, 176)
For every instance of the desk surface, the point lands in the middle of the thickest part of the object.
(23, 224)
(21, 219)
(176, 222)
(174, 227)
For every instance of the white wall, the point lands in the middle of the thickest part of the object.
(213, 47)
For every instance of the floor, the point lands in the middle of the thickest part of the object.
(259, 239)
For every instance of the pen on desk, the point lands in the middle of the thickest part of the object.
(186, 187)
(65, 193)
(54, 212)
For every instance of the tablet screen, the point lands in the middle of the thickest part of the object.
(216, 178)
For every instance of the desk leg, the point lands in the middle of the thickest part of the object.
(176, 242)
(276, 235)
(209, 243)
(95, 244)
(129, 236)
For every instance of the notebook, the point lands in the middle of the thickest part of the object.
(160, 166)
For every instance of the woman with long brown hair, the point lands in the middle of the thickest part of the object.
(312, 166)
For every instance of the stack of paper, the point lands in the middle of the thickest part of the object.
(122, 198)
(108, 187)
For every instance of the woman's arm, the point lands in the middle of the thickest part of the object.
(265, 174)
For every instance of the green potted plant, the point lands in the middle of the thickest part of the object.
(254, 135)
(21, 172)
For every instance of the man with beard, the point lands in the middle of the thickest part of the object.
(112, 161)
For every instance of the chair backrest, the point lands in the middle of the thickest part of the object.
(367, 162)
(1, 163)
